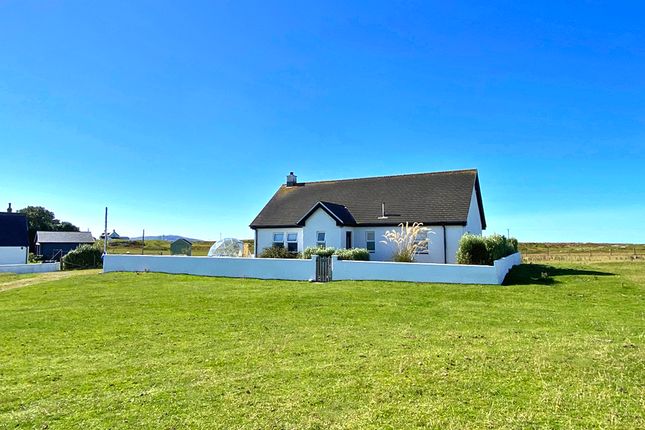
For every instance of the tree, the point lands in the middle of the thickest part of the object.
(39, 218)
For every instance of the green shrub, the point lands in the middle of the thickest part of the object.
(359, 254)
(514, 244)
(472, 250)
(475, 249)
(356, 254)
(314, 250)
(83, 257)
(498, 246)
(278, 252)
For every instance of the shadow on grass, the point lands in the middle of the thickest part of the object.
(526, 274)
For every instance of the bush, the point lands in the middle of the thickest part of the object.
(83, 257)
(514, 244)
(356, 254)
(472, 250)
(498, 246)
(359, 254)
(278, 252)
(314, 250)
(475, 249)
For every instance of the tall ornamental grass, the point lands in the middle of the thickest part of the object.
(404, 241)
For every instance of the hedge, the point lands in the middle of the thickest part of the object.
(361, 254)
(278, 252)
(83, 257)
(474, 249)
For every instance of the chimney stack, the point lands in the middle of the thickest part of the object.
(9, 210)
(291, 180)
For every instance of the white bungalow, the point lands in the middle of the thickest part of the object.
(356, 213)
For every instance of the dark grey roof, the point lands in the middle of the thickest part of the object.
(430, 198)
(64, 237)
(340, 213)
(13, 229)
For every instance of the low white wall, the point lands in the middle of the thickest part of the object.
(29, 268)
(424, 272)
(503, 265)
(303, 270)
(261, 268)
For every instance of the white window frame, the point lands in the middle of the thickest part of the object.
(367, 241)
(276, 243)
(321, 243)
(289, 242)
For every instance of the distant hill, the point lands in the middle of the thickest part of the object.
(167, 237)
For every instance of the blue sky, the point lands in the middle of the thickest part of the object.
(184, 117)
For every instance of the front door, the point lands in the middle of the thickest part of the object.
(348, 240)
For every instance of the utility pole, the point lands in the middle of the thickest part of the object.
(105, 236)
(143, 240)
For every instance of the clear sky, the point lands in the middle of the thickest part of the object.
(184, 117)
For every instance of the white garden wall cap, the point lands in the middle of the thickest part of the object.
(437, 198)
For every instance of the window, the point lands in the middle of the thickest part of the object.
(320, 239)
(421, 237)
(278, 240)
(292, 242)
(370, 241)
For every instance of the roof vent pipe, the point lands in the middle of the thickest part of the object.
(291, 179)
(382, 211)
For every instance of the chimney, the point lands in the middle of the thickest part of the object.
(291, 180)
(9, 210)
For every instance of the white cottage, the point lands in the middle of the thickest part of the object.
(356, 213)
(14, 238)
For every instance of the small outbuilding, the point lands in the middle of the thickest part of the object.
(53, 245)
(181, 246)
(14, 238)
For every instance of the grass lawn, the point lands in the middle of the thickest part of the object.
(169, 351)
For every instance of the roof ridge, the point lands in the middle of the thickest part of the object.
(390, 176)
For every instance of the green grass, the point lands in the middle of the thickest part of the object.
(540, 252)
(161, 351)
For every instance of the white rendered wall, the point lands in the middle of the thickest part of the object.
(265, 237)
(29, 268)
(474, 222)
(13, 254)
(424, 272)
(295, 269)
(321, 221)
(261, 268)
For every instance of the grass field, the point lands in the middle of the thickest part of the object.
(161, 351)
(154, 247)
(581, 252)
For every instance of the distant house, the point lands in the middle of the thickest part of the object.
(14, 238)
(181, 246)
(357, 212)
(114, 235)
(52, 245)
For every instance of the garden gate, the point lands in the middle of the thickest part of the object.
(323, 269)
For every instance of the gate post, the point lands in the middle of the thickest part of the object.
(314, 258)
(334, 260)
